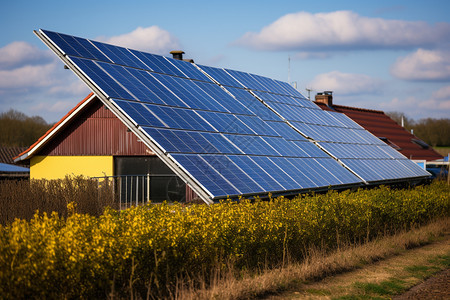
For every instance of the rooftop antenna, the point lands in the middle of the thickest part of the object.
(289, 68)
(309, 90)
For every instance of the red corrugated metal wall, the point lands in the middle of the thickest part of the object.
(96, 131)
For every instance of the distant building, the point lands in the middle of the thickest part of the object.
(8, 170)
(383, 127)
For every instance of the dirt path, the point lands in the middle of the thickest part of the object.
(386, 278)
(436, 287)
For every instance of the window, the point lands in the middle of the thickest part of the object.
(420, 143)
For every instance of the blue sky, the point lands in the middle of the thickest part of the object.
(386, 55)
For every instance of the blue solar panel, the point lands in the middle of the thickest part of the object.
(231, 132)
(286, 131)
(189, 70)
(101, 78)
(246, 80)
(157, 63)
(74, 46)
(310, 149)
(259, 174)
(139, 113)
(235, 175)
(284, 147)
(277, 171)
(285, 99)
(221, 76)
(251, 145)
(120, 55)
(153, 90)
(290, 169)
(206, 175)
(344, 120)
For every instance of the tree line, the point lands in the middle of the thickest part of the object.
(434, 132)
(19, 130)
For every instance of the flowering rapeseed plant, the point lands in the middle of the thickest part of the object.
(147, 248)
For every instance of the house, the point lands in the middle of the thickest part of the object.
(170, 129)
(92, 142)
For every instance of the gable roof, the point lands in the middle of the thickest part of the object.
(382, 126)
(7, 153)
(28, 153)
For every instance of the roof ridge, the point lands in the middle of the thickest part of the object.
(360, 109)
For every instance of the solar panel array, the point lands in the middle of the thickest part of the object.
(233, 133)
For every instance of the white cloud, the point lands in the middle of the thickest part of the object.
(35, 82)
(343, 30)
(18, 54)
(151, 39)
(442, 93)
(56, 107)
(28, 76)
(312, 55)
(437, 106)
(423, 65)
(72, 86)
(346, 83)
(440, 100)
(406, 105)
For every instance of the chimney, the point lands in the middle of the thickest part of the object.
(325, 97)
(177, 54)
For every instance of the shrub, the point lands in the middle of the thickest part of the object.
(21, 199)
(145, 250)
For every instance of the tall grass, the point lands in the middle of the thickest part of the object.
(317, 265)
(21, 199)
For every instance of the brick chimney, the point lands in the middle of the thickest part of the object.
(177, 54)
(325, 97)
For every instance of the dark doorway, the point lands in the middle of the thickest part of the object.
(148, 177)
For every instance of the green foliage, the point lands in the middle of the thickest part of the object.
(442, 260)
(434, 132)
(398, 116)
(17, 129)
(145, 250)
(387, 287)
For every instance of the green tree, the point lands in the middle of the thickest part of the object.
(18, 129)
(397, 117)
(434, 132)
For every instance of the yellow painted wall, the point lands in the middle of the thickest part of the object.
(56, 167)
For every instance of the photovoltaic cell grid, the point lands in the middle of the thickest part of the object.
(215, 128)
(341, 137)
